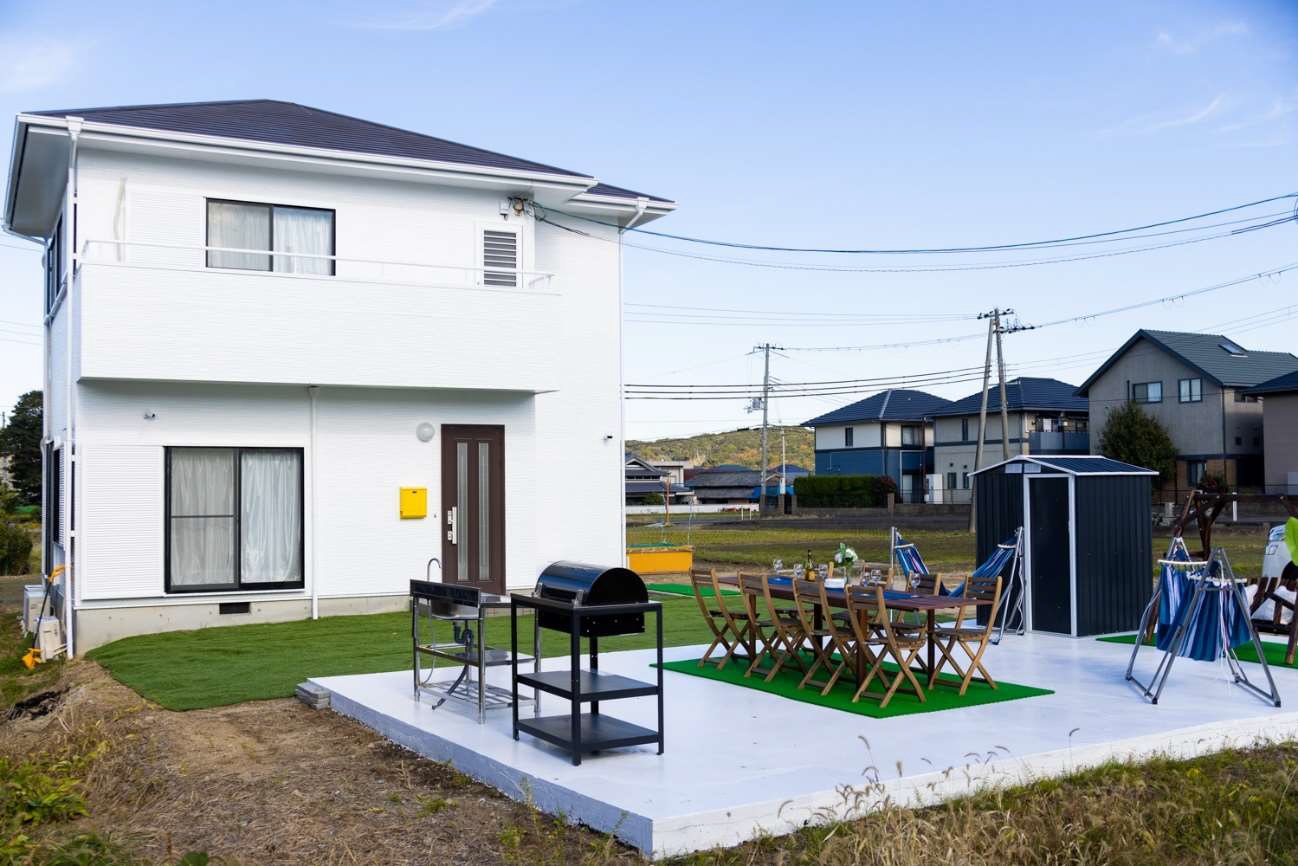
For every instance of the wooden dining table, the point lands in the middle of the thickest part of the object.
(929, 605)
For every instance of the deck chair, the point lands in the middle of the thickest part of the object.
(813, 609)
(1269, 589)
(873, 629)
(728, 629)
(778, 626)
(973, 640)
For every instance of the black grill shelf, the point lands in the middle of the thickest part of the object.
(579, 732)
(591, 685)
(597, 731)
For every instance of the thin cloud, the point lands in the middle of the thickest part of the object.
(1193, 44)
(1150, 124)
(33, 63)
(1280, 108)
(436, 15)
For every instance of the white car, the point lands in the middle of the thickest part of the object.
(1276, 563)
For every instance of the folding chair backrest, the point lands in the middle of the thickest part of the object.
(753, 588)
(809, 595)
(867, 611)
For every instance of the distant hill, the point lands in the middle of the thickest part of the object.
(736, 446)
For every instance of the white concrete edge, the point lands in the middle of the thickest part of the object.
(636, 830)
(693, 833)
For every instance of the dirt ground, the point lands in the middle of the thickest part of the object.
(274, 782)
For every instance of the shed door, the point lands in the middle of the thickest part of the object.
(1049, 550)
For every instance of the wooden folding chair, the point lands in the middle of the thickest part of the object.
(1267, 591)
(781, 630)
(756, 628)
(972, 640)
(853, 658)
(727, 631)
(813, 610)
(873, 626)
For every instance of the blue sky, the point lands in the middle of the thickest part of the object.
(825, 124)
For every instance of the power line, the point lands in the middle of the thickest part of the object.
(1043, 244)
(921, 269)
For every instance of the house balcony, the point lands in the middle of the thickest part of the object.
(1068, 442)
(154, 311)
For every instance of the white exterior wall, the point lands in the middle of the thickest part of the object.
(865, 434)
(224, 359)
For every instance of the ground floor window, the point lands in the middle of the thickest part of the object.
(233, 519)
(1194, 472)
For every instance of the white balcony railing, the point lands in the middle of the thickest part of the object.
(379, 271)
(156, 311)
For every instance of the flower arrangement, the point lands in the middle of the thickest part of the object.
(845, 555)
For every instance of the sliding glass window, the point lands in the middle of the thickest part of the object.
(233, 519)
(293, 237)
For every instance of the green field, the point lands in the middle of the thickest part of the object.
(754, 543)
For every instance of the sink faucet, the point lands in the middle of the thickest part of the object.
(428, 569)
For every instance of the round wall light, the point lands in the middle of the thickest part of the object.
(424, 432)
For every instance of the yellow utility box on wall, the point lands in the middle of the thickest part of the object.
(414, 503)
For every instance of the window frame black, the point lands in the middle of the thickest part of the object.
(848, 437)
(260, 586)
(1132, 393)
(1199, 396)
(919, 435)
(270, 235)
(1204, 470)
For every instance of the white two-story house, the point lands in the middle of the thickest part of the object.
(292, 355)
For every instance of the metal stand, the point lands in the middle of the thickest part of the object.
(1016, 580)
(1204, 583)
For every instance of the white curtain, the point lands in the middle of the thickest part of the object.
(303, 230)
(240, 227)
(202, 517)
(270, 496)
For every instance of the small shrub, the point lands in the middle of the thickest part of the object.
(15, 548)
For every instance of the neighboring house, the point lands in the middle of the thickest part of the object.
(1045, 417)
(676, 469)
(1280, 443)
(731, 484)
(644, 482)
(1197, 386)
(270, 328)
(888, 433)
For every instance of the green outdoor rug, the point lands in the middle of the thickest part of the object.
(1272, 650)
(684, 589)
(840, 698)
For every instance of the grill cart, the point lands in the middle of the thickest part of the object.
(465, 610)
(586, 601)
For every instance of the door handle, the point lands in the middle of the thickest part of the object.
(451, 525)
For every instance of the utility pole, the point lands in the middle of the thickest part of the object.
(995, 330)
(765, 349)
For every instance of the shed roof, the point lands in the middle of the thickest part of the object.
(1214, 356)
(895, 404)
(1078, 464)
(1286, 383)
(1025, 392)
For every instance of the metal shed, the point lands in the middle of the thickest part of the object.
(1086, 519)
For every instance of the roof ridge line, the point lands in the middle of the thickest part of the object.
(888, 394)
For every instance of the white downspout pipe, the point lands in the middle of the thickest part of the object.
(73, 477)
(312, 394)
(641, 204)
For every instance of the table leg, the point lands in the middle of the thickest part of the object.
(929, 635)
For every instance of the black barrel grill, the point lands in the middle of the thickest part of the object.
(581, 584)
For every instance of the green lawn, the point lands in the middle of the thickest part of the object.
(754, 543)
(212, 667)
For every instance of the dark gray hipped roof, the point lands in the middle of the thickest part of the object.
(1286, 383)
(277, 122)
(1023, 393)
(895, 404)
(1214, 356)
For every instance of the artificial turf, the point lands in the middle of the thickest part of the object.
(212, 667)
(684, 589)
(904, 703)
(1273, 651)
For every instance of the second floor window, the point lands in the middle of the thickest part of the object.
(293, 237)
(1148, 392)
(1189, 390)
(912, 435)
(847, 437)
(965, 431)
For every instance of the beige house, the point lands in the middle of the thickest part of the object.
(1280, 443)
(1198, 387)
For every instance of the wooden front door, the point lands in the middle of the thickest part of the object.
(473, 506)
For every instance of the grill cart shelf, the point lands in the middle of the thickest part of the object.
(584, 728)
(465, 610)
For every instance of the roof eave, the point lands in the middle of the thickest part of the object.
(579, 183)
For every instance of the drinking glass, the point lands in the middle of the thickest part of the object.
(822, 570)
(777, 565)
